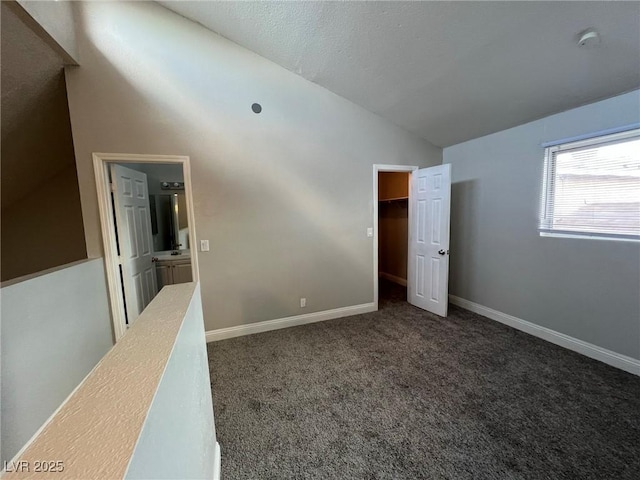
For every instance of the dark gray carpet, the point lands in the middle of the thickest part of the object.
(402, 394)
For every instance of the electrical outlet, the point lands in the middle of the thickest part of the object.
(303, 302)
(369, 232)
(204, 245)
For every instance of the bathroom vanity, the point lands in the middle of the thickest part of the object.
(172, 269)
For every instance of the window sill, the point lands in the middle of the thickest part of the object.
(589, 236)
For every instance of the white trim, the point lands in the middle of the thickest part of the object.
(587, 236)
(107, 222)
(623, 362)
(277, 324)
(394, 279)
(606, 136)
(547, 198)
(587, 136)
(376, 169)
(217, 462)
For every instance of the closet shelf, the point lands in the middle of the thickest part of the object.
(396, 199)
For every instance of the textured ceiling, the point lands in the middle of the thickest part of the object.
(448, 71)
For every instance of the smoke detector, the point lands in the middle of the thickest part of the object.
(588, 38)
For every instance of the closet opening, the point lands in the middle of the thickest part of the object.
(411, 216)
(393, 236)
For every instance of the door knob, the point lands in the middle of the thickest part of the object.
(443, 252)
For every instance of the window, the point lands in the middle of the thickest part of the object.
(592, 188)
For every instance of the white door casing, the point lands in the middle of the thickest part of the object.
(428, 265)
(133, 222)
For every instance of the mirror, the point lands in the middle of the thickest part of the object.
(169, 223)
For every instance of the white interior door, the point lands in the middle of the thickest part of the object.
(133, 222)
(428, 266)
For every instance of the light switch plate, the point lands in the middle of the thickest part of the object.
(369, 232)
(204, 245)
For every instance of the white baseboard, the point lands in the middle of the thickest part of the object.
(614, 359)
(259, 327)
(217, 462)
(393, 278)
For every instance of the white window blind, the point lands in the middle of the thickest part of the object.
(592, 187)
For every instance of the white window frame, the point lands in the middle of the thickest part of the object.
(546, 204)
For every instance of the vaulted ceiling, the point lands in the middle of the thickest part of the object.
(448, 71)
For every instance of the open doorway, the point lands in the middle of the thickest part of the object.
(411, 235)
(146, 212)
(387, 201)
(393, 235)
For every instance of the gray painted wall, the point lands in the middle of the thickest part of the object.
(178, 438)
(588, 289)
(284, 197)
(55, 328)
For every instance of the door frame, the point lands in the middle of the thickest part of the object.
(101, 163)
(377, 168)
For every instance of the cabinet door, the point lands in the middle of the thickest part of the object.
(182, 273)
(164, 274)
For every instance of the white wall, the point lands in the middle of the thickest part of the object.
(55, 329)
(145, 410)
(178, 438)
(285, 197)
(587, 289)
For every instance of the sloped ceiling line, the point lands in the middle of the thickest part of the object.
(447, 71)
